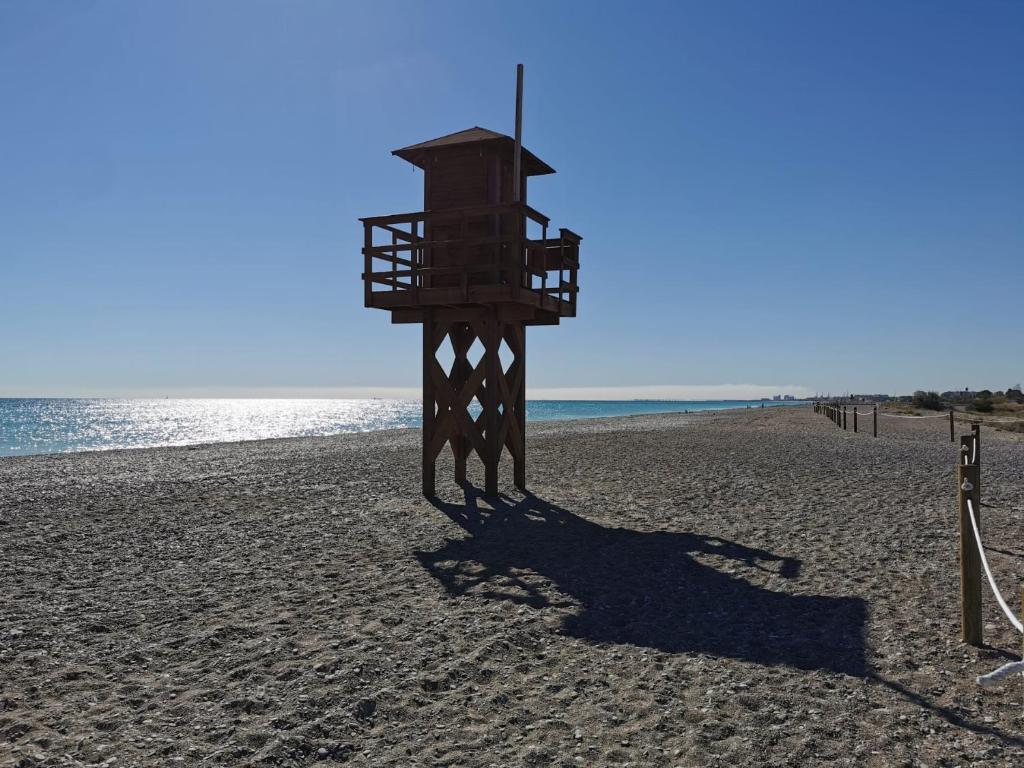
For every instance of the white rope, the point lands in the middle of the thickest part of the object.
(960, 416)
(992, 582)
(1001, 674)
(914, 416)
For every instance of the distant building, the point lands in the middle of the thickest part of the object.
(871, 398)
(959, 395)
(788, 397)
(777, 397)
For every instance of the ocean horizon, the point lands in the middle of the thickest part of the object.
(33, 426)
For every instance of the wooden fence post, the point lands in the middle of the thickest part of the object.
(844, 417)
(855, 419)
(874, 421)
(952, 438)
(976, 434)
(968, 487)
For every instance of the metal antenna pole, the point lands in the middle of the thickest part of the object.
(518, 163)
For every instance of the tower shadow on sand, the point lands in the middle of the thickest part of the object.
(649, 589)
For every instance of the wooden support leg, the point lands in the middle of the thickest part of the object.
(447, 395)
(515, 338)
(501, 393)
(429, 486)
(492, 363)
(462, 339)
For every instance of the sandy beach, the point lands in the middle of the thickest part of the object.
(739, 588)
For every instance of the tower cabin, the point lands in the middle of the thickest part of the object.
(475, 267)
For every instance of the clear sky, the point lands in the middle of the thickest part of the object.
(812, 194)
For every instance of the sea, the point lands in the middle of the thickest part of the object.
(58, 425)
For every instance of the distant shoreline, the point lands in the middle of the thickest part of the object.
(47, 426)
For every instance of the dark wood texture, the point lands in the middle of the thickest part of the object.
(476, 266)
(452, 396)
(968, 480)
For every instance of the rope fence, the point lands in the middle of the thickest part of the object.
(840, 416)
(974, 561)
(912, 416)
(839, 413)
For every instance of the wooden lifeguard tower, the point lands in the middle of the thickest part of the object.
(475, 267)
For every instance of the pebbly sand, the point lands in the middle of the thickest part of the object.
(737, 588)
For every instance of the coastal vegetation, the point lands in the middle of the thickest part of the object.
(929, 400)
(1001, 409)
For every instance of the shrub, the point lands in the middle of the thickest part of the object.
(929, 400)
(983, 403)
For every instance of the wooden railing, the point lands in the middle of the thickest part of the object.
(407, 252)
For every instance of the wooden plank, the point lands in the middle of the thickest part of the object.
(519, 378)
(443, 426)
(367, 265)
(387, 278)
(517, 159)
(391, 258)
(491, 340)
(457, 333)
(968, 482)
(405, 316)
(535, 215)
(386, 250)
(399, 233)
(441, 216)
(456, 404)
(428, 468)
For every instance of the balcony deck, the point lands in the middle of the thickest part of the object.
(468, 258)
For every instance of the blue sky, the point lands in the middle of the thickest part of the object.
(805, 194)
